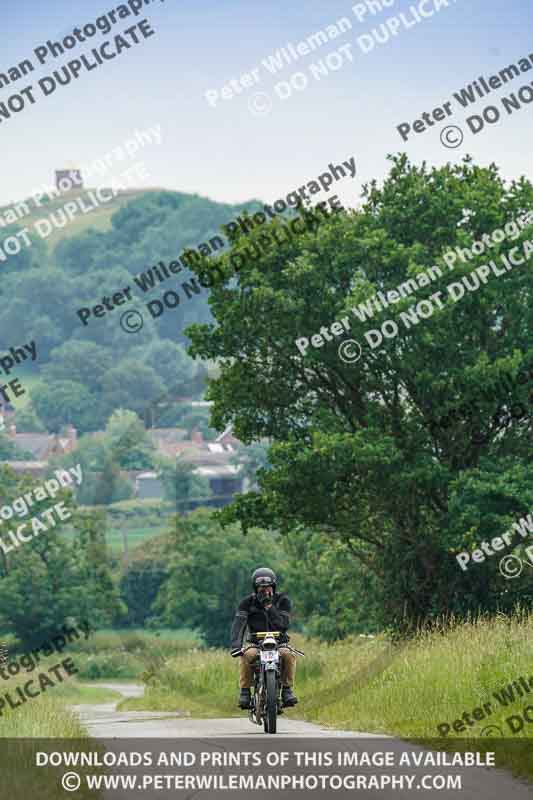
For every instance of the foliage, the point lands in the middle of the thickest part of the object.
(81, 362)
(28, 422)
(356, 455)
(129, 444)
(68, 573)
(209, 573)
(144, 511)
(109, 486)
(66, 402)
(171, 363)
(335, 595)
(139, 587)
(131, 385)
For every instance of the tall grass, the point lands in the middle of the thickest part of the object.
(369, 685)
(47, 715)
(33, 727)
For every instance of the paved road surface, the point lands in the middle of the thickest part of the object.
(103, 721)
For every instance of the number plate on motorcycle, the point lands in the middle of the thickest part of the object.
(269, 655)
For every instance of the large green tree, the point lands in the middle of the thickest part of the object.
(171, 362)
(128, 442)
(131, 385)
(66, 402)
(83, 362)
(356, 453)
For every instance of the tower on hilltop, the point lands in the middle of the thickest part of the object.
(68, 179)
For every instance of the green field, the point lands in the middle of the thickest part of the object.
(115, 536)
(99, 218)
(28, 378)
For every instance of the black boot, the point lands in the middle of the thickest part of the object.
(245, 698)
(288, 698)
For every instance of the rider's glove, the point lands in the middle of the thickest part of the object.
(237, 651)
(264, 600)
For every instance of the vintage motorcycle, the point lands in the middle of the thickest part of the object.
(266, 701)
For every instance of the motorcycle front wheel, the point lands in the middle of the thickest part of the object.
(271, 702)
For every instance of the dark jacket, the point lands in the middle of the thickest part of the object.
(252, 614)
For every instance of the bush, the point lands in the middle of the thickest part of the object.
(145, 511)
(109, 665)
(128, 654)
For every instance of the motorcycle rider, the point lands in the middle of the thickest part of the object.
(264, 610)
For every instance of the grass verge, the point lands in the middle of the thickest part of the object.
(365, 685)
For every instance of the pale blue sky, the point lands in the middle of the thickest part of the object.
(226, 152)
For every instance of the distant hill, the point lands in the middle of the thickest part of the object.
(88, 370)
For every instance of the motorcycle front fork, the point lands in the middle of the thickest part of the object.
(255, 696)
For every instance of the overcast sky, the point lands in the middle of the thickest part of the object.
(227, 152)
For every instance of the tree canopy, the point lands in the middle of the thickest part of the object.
(356, 455)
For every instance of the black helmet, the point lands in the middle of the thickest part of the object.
(264, 577)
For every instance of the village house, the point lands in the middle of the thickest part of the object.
(211, 460)
(42, 446)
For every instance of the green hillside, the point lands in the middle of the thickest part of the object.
(83, 372)
(98, 218)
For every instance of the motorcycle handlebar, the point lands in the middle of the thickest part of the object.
(288, 646)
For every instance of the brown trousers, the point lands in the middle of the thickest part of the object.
(288, 667)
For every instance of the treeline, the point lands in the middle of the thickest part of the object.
(193, 576)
